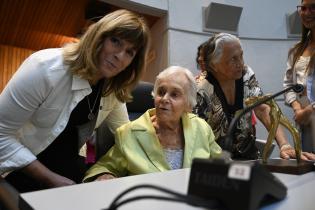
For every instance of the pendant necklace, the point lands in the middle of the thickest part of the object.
(91, 115)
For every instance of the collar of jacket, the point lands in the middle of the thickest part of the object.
(145, 133)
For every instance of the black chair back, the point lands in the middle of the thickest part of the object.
(142, 100)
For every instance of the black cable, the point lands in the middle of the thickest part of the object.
(128, 200)
(147, 186)
(178, 197)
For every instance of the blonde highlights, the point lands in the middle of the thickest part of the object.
(82, 57)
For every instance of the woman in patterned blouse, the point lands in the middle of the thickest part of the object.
(221, 94)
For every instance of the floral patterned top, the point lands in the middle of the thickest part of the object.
(213, 107)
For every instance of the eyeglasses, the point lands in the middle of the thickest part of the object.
(304, 8)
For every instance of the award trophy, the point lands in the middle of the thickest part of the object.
(291, 166)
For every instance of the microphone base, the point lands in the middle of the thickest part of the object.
(235, 184)
(288, 166)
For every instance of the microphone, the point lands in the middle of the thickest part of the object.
(298, 88)
(228, 141)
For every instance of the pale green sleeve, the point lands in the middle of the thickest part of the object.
(113, 162)
(215, 149)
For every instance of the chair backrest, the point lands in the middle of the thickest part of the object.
(142, 100)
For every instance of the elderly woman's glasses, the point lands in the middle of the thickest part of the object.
(304, 8)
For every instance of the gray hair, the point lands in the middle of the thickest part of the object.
(191, 90)
(219, 41)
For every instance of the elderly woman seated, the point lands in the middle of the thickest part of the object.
(221, 93)
(164, 138)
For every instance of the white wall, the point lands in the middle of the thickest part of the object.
(260, 21)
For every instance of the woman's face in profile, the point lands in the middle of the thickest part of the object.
(115, 56)
(307, 13)
(201, 61)
(170, 99)
(231, 64)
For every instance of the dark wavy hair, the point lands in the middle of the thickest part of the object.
(200, 52)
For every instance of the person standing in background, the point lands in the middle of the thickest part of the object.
(200, 62)
(57, 97)
(300, 70)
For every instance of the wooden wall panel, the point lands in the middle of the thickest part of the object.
(39, 24)
(10, 60)
(31, 25)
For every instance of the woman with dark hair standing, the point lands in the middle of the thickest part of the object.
(300, 70)
(200, 61)
(58, 97)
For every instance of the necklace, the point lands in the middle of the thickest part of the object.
(91, 115)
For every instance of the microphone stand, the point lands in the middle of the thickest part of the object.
(274, 165)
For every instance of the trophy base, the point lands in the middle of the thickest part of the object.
(288, 166)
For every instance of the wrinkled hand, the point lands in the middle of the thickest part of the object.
(290, 153)
(105, 177)
(308, 156)
(287, 153)
(302, 116)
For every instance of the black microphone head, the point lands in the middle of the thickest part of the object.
(298, 88)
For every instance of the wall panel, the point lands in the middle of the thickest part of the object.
(10, 59)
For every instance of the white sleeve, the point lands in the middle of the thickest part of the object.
(22, 96)
(289, 81)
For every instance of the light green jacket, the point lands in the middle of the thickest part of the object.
(137, 149)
